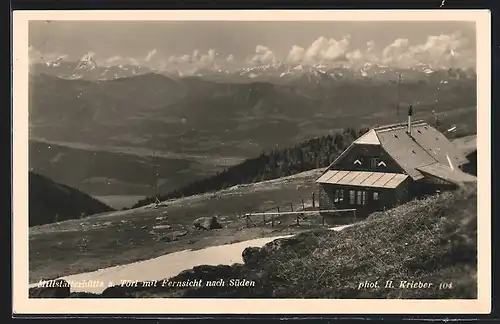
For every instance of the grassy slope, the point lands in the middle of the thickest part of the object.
(432, 240)
(119, 237)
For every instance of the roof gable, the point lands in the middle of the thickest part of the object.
(369, 138)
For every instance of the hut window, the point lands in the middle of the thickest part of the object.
(375, 195)
(363, 197)
(352, 197)
(359, 197)
(339, 195)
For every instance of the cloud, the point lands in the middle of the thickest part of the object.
(207, 59)
(114, 59)
(370, 46)
(355, 56)
(186, 58)
(324, 50)
(150, 55)
(192, 62)
(395, 50)
(296, 55)
(133, 61)
(263, 55)
(441, 50)
(196, 55)
(90, 54)
(36, 56)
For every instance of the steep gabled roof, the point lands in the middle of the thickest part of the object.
(424, 146)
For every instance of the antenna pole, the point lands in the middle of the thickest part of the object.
(397, 94)
(155, 166)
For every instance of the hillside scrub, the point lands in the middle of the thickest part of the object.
(433, 240)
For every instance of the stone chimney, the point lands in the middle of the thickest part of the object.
(410, 113)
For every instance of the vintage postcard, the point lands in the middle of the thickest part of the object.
(244, 162)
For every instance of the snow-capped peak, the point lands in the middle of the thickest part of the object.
(55, 63)
(86, 62)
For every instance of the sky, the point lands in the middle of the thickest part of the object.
(230, 44)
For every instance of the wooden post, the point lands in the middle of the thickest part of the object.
(314, 204)
(264, 219)
(247, 220)
(272, 220)
(303, 206)
(298, 220)
(291, 206)
(323, 219)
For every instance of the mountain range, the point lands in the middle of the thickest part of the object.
(88, 69)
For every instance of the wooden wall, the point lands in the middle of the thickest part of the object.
(364, 153)
(387, 197)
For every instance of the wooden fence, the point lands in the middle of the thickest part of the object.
(270, 217)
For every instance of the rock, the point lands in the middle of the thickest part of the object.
(170, 237)
(249, 254)
(144, 227)
(156, 227)
(58, 288)
(159, 218)
(81, 294)
(205, 272)
(207, 223)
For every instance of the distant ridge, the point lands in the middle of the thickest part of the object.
(51, 202)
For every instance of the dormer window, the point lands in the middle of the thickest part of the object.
(381, 164)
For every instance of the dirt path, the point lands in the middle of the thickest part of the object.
(165, 266)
